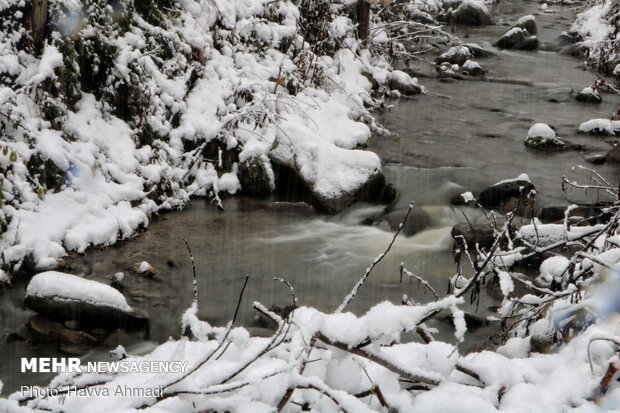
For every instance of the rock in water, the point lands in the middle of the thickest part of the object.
(405, 84)
(59, 296)
(507, 195)
(145, 269)
(528, 23)
(456, 55)
(256, 176)
(541, 136)
(482, 235)
(418, 220)
(472, 13)
(600, 127)
(519, 39)
(595, 159)
(56, 330)
(588, 95)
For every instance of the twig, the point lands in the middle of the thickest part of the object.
(376, 261)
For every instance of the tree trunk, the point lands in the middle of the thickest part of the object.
(36, 21)
(363, 19)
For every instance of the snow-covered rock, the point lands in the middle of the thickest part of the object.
(457, 55)
(61, 296)
(472, 68)
(588, 95)
(519, 39)
(508, 194)
(472, 13)
(541, 136)
(528, 23)
(600, 127)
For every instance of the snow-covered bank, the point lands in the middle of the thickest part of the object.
(121, 112)
(597, 28)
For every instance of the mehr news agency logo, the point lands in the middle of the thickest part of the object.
(73, 365)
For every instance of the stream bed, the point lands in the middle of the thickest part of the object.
(463, 135)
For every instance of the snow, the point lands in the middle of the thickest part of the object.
(144, 266)
(541, 130)
(55, 284)
(505, 283)
(522, 177)
(468, 197)
(600, 126)
(553, 268)
(526, 19)
(591, 24)
(113, 183)
(471, 65)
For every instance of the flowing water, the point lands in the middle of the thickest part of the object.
(463, 135)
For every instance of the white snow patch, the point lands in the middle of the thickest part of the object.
(67, 286)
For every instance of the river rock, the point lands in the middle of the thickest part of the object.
(478, 51)
(528, 23)
(60, 297)
(144, 269)
(471, 13)
(472, 68)
(456, 55)
(404, 83)
(418, 220)
(518, 39)
(595, 159)
(333, 177)
(555, 214)
(614, 154)
(256, 176)
(507, 195)
(588, 95)
(56, 330)
(600, 127)
(541, 136)
(566, 39)
(482, 235)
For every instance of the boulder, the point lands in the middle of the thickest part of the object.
(478, 51)
(60, 297)
(334, 177)
(471, 13)
(566, 39)
(541, 136)
(600, 127)
(482, 235)
(456, 55)
(418, 220)
(256, 176)
(404, 83)
(507, 195)
(518, 39)
(473, 68)
(588, 95)
(52, 329)
(555, 214)
(595, 159)
(528, 23)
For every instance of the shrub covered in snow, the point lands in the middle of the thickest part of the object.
(122, 109)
